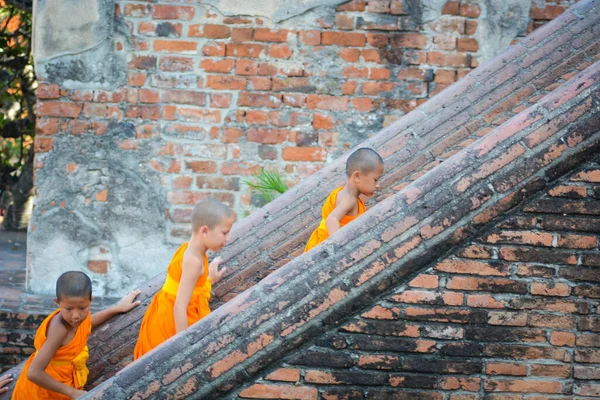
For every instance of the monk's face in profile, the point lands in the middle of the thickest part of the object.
(368, 183)
(217, 237)
(74, 310)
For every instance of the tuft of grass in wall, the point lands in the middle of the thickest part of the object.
(269, 184)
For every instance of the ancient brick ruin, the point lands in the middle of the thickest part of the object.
(146, 107)
(474, 275)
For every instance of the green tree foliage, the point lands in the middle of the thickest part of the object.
(17, 110)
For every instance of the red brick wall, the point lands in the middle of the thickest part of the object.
(210, 99)
(251, 94)
(513, 314)
(546, 10)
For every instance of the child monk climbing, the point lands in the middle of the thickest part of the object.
(183, 299)
(364, 167)
(57, 369)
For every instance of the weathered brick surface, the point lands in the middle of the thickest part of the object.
(228, 70)
(285, 224)
(526, 345)
(16, 336)
(318, 297)
(414, 144)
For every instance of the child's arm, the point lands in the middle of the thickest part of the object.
(126, 304)
(332, 222)
(55, 336)
(191, 269)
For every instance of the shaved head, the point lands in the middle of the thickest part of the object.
(364, 160)
(210, 213)
(73, 284)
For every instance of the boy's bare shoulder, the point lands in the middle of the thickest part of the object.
(191, 257)
(56, 328)
(344, 197)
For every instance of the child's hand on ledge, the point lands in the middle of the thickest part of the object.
(128, 302)
(213, 270)
(5, 380)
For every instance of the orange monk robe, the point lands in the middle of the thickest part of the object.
(68, 365)
(159, 320)
(320, 234)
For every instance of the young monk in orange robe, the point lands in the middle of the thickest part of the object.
(57, 369)
(364, 167)
(183, 299)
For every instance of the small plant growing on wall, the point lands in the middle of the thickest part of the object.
(268, 184)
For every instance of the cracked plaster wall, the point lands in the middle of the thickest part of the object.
(73, 43)
(111, 224)
(500, 23)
